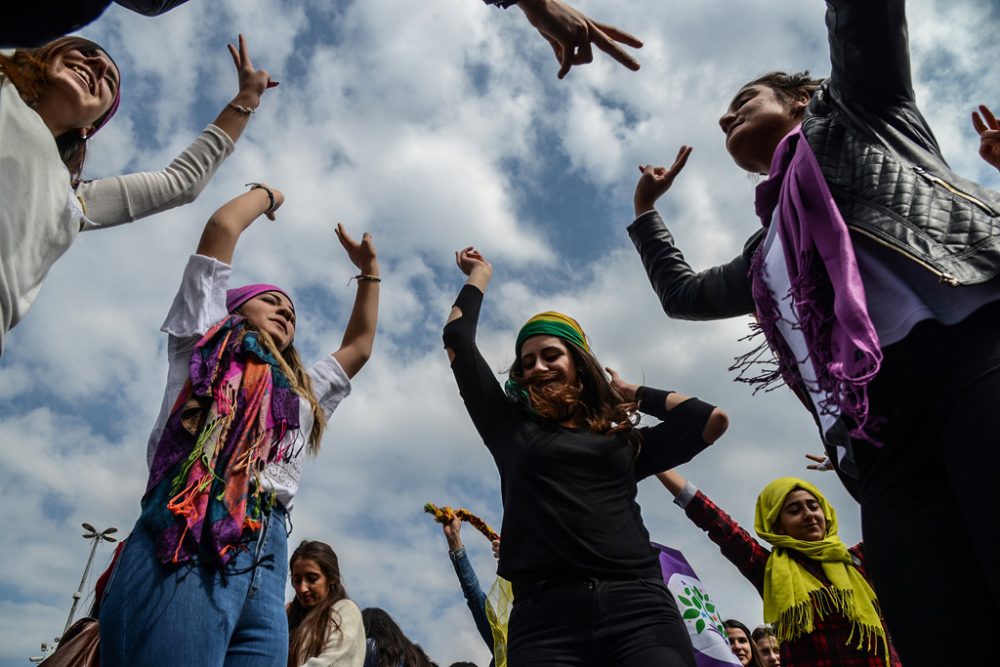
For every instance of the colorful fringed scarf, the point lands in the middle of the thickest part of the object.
(793, 596)
(225, 426)
(826, 289)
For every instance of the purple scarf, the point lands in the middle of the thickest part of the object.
(826, 288)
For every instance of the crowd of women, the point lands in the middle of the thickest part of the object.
(873, 282)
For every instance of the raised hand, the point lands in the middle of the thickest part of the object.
(988, 127)
(252, 82)
(625, 389)
(453, 533)
(362, 254)
(655, 181)
(819, 462)
(571, 34)
(470, 259)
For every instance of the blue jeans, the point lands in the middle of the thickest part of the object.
(157, 615)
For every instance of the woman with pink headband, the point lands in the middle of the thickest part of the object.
(201, 580)
(53, 99)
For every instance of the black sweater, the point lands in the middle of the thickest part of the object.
(569, 495)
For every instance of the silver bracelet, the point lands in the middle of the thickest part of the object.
(242, 109)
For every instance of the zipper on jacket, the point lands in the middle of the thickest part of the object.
(931, 178)
(942, 276)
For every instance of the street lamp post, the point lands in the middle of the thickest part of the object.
(96, 538)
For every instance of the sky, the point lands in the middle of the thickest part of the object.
(434, 125)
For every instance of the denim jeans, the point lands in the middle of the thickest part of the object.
(157, 615)
(587, 622)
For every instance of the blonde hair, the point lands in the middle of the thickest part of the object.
(300, 382)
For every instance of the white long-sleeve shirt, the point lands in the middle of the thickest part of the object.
(41, 214)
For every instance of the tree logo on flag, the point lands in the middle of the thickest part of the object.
(697, 605)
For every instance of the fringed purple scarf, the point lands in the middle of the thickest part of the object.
(826, 288)
(225, 426)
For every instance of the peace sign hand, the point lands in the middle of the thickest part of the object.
(252, 82)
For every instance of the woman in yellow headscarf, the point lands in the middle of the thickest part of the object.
(815, 590)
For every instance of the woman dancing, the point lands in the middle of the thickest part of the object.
(587, 584)
(874, 281)
(53, 99)
(201, 580)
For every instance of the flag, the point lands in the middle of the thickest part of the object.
(701, 616)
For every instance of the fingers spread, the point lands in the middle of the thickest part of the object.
(978, 123)
(605, 44)
(235, 54)
(991, 120)
(619, 35)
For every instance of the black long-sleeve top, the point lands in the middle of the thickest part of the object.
(569, 495)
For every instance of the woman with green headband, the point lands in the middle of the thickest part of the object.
(587, 584)
(816, 592)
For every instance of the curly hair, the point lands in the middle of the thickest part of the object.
(593, 401)
(309, 629)
(28, 70)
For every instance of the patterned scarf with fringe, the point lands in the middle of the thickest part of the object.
(224, 428)
(793, 596)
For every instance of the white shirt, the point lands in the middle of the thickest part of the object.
(41, 214)
(200, 303)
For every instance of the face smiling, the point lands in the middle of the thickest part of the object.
(310, 584)
(541, 354)
(756, 122)
(272, 312)
(801, 517)
(81, 88)
(740, 645)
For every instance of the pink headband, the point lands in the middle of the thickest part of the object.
(237, 296)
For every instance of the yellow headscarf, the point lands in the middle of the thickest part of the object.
(792, 595)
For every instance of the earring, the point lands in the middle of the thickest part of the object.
(83, 134)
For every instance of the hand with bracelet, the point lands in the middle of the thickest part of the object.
(253, 83)
(275, 198)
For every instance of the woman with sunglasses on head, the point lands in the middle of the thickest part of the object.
(52, 100)
(588, 589)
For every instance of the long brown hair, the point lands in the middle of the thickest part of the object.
(300, 383)
(394, 649)
(28, 70)
(593, 401)
(309, 629)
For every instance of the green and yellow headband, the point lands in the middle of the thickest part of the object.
(551, 323)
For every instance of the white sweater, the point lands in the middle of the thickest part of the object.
(347, 647)
(41, 214)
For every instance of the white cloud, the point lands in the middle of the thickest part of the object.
(435, 125)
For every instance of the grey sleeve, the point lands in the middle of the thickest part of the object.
(120, 199)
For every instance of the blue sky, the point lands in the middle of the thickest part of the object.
(434, 125)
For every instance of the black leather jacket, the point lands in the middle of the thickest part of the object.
(881, 162)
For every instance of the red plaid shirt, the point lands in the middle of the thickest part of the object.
(827, 645)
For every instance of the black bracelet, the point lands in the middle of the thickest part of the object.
(270, 195)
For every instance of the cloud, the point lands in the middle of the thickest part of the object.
(434, 125)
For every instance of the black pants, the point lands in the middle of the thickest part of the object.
(930, 497)
(585, 622)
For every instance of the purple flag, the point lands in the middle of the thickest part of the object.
(702, 618)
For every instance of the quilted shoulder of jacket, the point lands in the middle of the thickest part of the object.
(892, 185)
